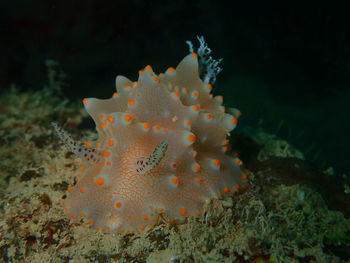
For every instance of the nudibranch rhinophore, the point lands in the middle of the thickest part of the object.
(161, 150)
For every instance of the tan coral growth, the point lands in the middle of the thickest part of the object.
(161, 149)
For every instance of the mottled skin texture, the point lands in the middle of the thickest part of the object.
(174, 116)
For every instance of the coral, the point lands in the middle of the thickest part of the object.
(161, 150)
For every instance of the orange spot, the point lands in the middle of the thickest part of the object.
(111, 196)
(161, 74)
(197, 167)
(234, 120)
(225, 189)
(102, 116)
(140, 72)
(238, 161)
(148, 68)
(67, 209)
(127, 86)
(85, 101)
(148, 192)
(184, 90)
(220, 97)
(131, 102)
(102, 230)
(93, 178)
(239, 113)
(155, 79)
(82, 190)
(188, 123)
(98, 144)
(122, 230)
(74, 216)
(219, 194)
(195, 94)
(146, 125)
(142, 227)
(163, 130)
(111, 143)
(115, 94)
(197, 213)
(157, 128)
(171, 69)
(108, 163)
(176, 94)
(88, 144)
(78, 179)
(64, 203)
(182, 211)
(145, 217)
(198, 180)
(161, 209)
(225, 148)
(173, 165)
(118, 204)
(244, 176)
(237, 186)
(208, 116)
(209, 86)
(69, 189)
(81, 169)
(195, 153)
(171, 86)
(171, 220)
(107, 154)
(177, 89)
(82, 214)
(216, 162)
(134, 83)
(175, 180)
(91, 221)
(195, 108)
(100, 181)
(191, 138)
(223, 108)
(194, 55)
(103, 125)
(127, 118)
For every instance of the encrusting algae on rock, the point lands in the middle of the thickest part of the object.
(161, 150)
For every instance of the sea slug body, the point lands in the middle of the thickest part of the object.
(161, 150)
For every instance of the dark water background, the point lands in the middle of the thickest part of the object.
(286, 64)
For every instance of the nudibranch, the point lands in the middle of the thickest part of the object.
(161, 150)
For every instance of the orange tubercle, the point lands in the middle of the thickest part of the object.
(127, 118)
(182, 211)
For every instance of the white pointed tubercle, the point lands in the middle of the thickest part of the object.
(188, 138)
(229, 122)
(213, 163)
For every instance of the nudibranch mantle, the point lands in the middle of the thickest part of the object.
(161, 150)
